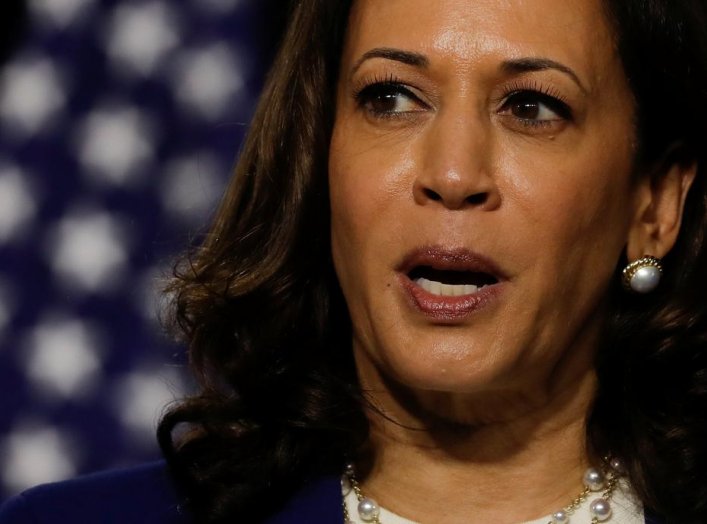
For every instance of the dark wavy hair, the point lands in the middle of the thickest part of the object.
(268, 332)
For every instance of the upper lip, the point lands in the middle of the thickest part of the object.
(450, 259)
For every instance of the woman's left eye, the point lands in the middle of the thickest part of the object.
(388, 99)
(535, 108)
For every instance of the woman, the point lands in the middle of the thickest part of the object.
(416, 279)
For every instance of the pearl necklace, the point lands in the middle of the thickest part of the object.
(594, 481)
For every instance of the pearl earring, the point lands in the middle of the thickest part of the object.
(643, 275)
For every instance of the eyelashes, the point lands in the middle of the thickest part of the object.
(528, 102)
(535, 104)
(388, 97)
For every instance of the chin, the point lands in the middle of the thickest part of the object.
(454, 364)
(447, 392)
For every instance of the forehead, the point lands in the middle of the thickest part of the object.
(469, 31)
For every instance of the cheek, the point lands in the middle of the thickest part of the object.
(352, 198)
(577, 209)
(367, 193)
(575, 186)
(349, 211)
(369, 186)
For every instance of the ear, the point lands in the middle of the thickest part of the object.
(660, 201)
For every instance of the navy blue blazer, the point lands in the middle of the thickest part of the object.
(147, 495)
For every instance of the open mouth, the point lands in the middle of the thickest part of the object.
(447, 285)
(450, 282)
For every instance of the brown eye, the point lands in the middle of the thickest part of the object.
(535, 106)
(384, 103)
(389, 99)
(527, 110)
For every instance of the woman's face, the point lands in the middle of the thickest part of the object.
(481, 188)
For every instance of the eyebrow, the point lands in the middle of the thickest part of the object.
(526, 65)
(518, 65)
(398, 55)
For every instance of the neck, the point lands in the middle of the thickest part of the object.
(524, 462)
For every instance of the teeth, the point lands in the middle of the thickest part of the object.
(446, 290)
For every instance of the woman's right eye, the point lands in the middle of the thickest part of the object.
(389, 99)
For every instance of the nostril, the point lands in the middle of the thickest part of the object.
(477, 198)
(431, 194)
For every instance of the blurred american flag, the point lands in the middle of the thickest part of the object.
(119, 123)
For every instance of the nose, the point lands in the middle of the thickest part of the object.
(456, 167)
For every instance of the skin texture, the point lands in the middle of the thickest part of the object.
(497, 399)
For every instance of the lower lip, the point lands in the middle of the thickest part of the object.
(445, 309)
